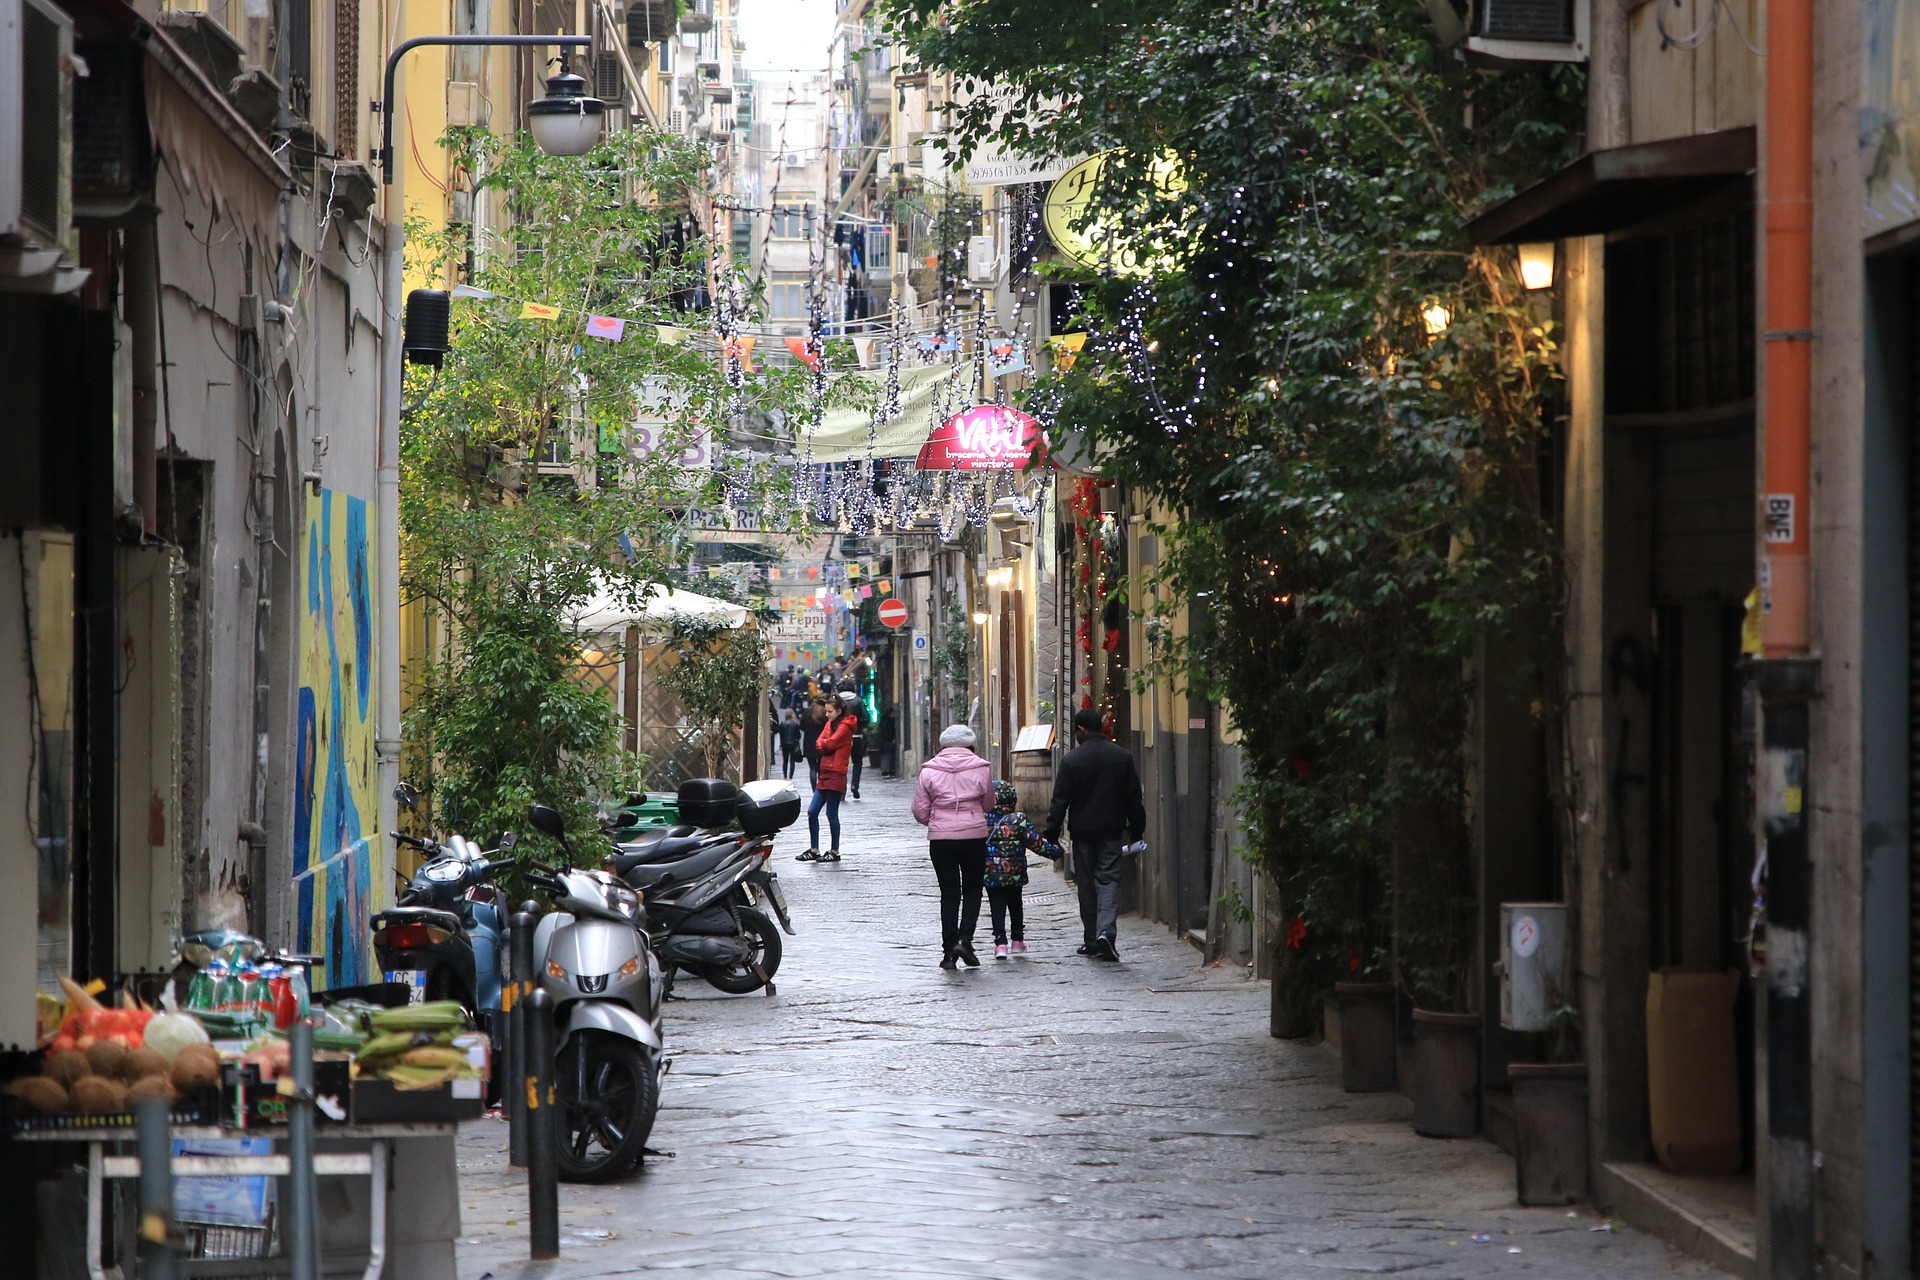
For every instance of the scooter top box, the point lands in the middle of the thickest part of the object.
(709, 802)
(768, 806)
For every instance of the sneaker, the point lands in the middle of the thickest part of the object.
(1019, 947)
(999, 951)
(1103, 949)
(831, 855)
(856, 793)
(811, 855)
(949, 961)
(1083, 950)
(968, 956)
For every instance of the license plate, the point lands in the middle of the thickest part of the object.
(416, 979)
(773, 891)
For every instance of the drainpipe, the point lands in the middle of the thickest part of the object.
(1786, 676)
(387, 744)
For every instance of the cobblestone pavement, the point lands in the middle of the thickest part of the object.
(1044, 1118)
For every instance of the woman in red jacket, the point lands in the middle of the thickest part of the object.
(835, 745)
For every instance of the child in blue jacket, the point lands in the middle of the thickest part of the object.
(1009, 836)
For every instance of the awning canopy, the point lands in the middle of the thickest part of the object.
(605, 615)
(1616, 188)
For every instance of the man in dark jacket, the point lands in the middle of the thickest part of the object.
(1097, 792)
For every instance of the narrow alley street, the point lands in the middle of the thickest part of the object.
(1046, 1117)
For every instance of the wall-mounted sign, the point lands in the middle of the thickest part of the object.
(987, 437)
(1098, 243)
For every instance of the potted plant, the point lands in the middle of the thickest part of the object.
(1435, 912)
(1550, 1118)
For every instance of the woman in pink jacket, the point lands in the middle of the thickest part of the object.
(951, 800)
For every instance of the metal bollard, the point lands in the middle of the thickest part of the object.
(543, 1131)
(303, 1242)
(158, 1259)
(520, 957)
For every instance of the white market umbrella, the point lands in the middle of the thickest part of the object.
(605, 615)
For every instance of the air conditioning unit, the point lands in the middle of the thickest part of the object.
(36, 134)
(1529, 30)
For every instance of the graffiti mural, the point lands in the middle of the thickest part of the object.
(339, 860)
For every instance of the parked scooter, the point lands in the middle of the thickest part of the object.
(593, 956)
(704, 889)
(443, 936)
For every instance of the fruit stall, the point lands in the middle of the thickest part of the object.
(259, 1082)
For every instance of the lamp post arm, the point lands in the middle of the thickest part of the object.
(407, 46)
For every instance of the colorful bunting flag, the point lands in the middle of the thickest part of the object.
(471, 291)
(611, 328)
(886, 587)
(804, 352)
(1066, 349)
(538, 311)
(866, 593)
(740, 349)
(671, 335)
(1006, 357)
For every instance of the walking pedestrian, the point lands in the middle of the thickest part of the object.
(812, 721)
(1009, 836)
(851, 701)
(834, 744)
(789, 742)
(1097, 789)
(951, 799)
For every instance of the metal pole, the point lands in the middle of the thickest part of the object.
(519, 987)
(303, 1245)
(157, 1256)
(407, 46)
(543, 1134)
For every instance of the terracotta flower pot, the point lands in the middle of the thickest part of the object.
(1550, 1131)
(1446, 1074)
(1368, 1046)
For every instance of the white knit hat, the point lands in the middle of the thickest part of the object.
(956, 735)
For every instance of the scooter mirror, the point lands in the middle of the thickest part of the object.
(508, 839)
(407, 797)
(546, 820)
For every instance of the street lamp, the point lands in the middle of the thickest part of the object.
(567, 121)
(565, 88)
(570, 125)
(1536, 265)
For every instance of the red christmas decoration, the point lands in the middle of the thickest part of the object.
(1112, 643)
(1296, 933)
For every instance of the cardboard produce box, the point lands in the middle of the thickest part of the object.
(1693, 1080)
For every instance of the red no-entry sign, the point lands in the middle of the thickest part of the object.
(893, 613)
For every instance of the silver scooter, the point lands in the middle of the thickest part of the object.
(592, 955)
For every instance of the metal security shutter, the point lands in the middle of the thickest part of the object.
(1913, 736)
(1550, 21)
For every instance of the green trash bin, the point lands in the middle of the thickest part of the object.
(646, 812)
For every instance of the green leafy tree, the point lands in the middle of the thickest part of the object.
(1338, 400)
(543, 468)
(718, 673)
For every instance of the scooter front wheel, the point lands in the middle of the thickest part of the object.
(609, 1093)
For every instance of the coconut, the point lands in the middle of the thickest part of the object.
(196, 1067)
(138, 1064)
(149, 1087)
(97, 1093)
(48, 1097)
(67, 1067)
(104, 1057)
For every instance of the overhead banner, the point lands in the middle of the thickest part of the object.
(987, 437)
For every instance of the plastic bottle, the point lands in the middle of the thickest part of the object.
(265, 991)
(247, 989)
(200, 990)
(219, 984)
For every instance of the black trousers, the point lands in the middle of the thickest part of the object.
(1004, 899)
(1096, 873)
(854, 761)
(786, 761)
(961, 866)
